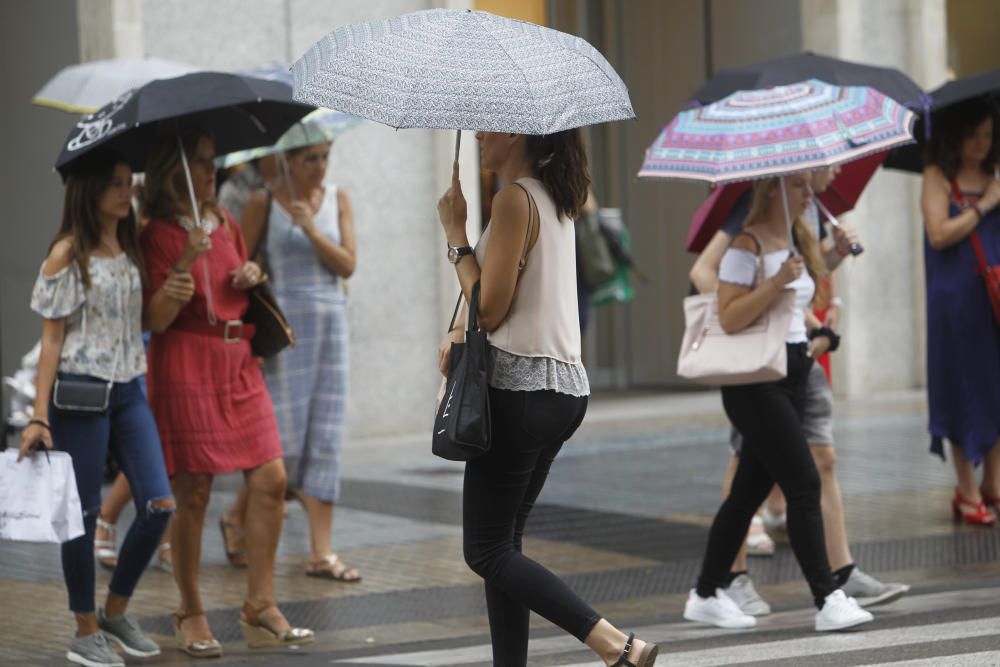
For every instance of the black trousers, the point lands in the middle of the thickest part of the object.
(529, 428)
(769, 416)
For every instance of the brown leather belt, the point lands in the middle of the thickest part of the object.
(231, 331)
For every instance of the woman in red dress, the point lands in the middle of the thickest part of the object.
(206, 391)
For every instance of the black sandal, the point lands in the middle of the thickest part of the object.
(645, 659)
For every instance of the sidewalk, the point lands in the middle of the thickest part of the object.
(623, 517)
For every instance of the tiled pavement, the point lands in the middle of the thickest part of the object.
(623, 518)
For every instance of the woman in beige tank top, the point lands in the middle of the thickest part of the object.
(526, 266)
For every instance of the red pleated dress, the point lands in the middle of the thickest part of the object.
(208, 396)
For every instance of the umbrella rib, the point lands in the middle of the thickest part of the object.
(520, 71)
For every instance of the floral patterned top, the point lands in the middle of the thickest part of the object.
(103, 321)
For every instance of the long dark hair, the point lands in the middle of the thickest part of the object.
(165, 186)
(952, 127)
(561, 162)
(89, 178)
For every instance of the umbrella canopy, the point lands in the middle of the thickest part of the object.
(239, 111)
(840, 197)
(319, 127)
(985, 86)
(86, 87)
(782, 130)
(808, 65)
(462, 70)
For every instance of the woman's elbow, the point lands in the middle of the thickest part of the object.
(937, 240)
(728, 323)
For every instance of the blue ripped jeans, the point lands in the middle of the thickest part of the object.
(129, 430)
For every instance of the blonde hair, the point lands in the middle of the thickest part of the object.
(165, 186)
(802, 234)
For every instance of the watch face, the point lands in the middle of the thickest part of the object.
(452, 255)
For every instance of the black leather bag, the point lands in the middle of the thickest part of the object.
(273, 333)
(81, 397)
(462, 426)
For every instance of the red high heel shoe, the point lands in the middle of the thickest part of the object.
(991, 502)
(974, 514)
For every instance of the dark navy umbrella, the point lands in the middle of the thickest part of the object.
(800, 67)
(240, 112)
(985, 86)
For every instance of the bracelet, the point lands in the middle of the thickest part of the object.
(40, 423)
(829, 334)
(176, 269)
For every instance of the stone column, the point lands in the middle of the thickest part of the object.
(883, 290)
(110, 29)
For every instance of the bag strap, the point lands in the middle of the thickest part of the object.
(261, 251)
(977, 245)
(532, 211)
(474, 308)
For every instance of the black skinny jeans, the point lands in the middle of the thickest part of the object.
(529, 428)
(769, 415)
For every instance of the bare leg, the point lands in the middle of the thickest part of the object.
(991, 472)
(237, 512)
(320, 514)
(966, 474)
(608, 642)
(191, 492)
(838, 550)
(266, 487)
(86, 624)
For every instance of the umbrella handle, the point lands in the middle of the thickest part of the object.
(458, 143)
(856, 248)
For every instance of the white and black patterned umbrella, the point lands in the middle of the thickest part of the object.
(462, 70)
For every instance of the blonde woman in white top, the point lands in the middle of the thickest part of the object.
(538, 389)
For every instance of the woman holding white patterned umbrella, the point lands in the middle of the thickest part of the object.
(528, 136)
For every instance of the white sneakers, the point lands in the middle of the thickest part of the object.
(734, 608)
(719, 611)
(746, 597)
(840, 612)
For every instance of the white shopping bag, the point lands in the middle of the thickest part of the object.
(39, 501)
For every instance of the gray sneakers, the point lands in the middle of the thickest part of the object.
(125, 631)
(869, 591)
(746, 597)
(93, 651)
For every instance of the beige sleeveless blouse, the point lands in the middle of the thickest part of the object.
(537, 346)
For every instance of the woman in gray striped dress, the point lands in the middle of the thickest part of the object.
(307, 229)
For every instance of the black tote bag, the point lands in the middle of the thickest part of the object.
(462, 426)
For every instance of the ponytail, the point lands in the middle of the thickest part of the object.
(561, 162)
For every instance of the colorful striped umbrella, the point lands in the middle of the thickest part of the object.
(787, 129)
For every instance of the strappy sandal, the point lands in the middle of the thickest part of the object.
(105, 550)
(758, 542)
(163, 560)
(259, 635)
(324, 569)
(203, 648)
(233, 534)
(645, 659)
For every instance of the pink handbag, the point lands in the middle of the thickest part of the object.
(756, 354)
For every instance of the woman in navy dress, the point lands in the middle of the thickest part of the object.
(959, 201)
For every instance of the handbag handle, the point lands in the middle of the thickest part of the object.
(474, 309)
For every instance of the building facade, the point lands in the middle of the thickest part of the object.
(403, 289)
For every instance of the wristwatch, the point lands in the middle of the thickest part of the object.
(456, 253)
